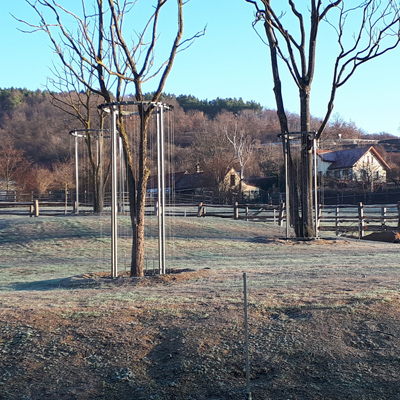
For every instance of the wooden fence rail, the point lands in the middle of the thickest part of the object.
(12, 205)
(339, 219)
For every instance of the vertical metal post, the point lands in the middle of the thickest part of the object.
(315, 185)
(287, 184)
(76, 175)
(246, 341)
(361, 221)
(100, 165)
(160, 189)
(162, 147)
(114, 210)
(121, 177)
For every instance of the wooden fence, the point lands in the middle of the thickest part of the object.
(359, 219)
(343, 219)
(35, 208)
(30, 208)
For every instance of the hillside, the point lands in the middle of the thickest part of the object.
(35, 134)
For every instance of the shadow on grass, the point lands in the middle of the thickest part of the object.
(55, 284)
(103, 279)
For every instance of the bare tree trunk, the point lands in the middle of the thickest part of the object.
(307, 221)
(137, 188)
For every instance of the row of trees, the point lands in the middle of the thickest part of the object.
(244, 139)
(19, 172)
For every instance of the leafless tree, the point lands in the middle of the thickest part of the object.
(365, 30)
(63, 174)
(43, 179)
(81, 104)
(210, 152)
(105, 54)
(13, 165)
(243, 146)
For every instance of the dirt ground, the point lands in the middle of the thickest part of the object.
(323, 316)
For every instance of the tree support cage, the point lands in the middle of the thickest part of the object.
(289, 139)
(130, 113)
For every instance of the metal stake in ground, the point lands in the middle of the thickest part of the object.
(246, 340)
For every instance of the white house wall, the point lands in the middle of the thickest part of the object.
(368, 167)
(322, 166)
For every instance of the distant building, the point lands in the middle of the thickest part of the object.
(231, 183)
(360, 164)
(198, 183)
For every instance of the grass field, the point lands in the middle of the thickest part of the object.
(323, 314)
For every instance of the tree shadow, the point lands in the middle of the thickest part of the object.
(56, 284)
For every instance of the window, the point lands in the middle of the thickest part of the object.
(233, 180)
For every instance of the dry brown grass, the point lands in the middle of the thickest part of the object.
(323, 317)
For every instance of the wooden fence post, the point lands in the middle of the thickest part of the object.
(200, 210)
(282, 208)
(337, 215)
(319, 217)
(156, 208)
(36, 208)
(398, 212)
(383, 214)
(361, 222)
(236, 210)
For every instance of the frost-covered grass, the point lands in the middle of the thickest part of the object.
(41, 255)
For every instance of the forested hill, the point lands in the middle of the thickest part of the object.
(213, 107)
(32, 122)
(35, 126)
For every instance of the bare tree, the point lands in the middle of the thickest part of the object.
(243, 146)
(63, 174)
(96, 43)
(43, 178)
(14, 166)
(374, 30)
(211, 153)
(82, 104)
(38, 180)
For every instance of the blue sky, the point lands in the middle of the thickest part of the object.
(229, 61)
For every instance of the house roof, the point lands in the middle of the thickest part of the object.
(348, 158)
(193, 181)
(170, 180)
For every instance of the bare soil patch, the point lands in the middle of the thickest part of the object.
(323, 316)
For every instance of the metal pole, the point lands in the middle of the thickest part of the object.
(315, 185)
(100, 165)
(121, 177)
(246, 342)
(162, 147)
(287, 186)
(160, 190)
(160, 267)
(114, 210)
(76, 175)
